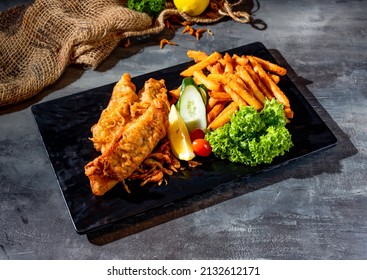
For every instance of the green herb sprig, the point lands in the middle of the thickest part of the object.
(151, 7)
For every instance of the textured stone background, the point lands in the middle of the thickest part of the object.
(314, 208)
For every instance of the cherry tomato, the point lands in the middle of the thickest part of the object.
(197, 133)
(201, 147)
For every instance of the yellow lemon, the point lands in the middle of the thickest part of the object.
(179, 137)
(191, 7)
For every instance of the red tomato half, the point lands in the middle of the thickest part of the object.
(201, 147)
(197, 133)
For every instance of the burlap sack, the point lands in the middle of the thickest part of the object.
(38, 41)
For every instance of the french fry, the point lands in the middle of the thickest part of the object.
(231, 76)
(245, 95)
(197, 56)
(245, 76)
(175, 93)
(267, 65)
(239, 80)
(219, 78)
(288, 113)
(211, 59)
(224, 116)
(240, 60)
(228, 68)
(227, 63)
(220, 95)
(235, 97)
(275, 90)
(211, 103)
(258, 82)
(215, 68)
(225, 58)
(200, 78)
(215, 111)
(274, 77)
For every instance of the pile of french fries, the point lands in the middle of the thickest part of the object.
(232, 81)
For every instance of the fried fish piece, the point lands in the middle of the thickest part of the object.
(133, 141)
(159, 163)
(116, 114)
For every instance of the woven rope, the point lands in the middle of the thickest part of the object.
(38, 42)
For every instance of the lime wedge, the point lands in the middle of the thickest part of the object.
(179, 137)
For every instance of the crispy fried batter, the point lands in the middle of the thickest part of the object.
(116, 115)
(128, 144)
(159, 163)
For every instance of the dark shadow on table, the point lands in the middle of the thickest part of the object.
(326, 161)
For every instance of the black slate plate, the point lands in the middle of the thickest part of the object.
(65, 123)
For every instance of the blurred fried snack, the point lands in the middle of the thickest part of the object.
(197, 56)
(214, 57)
(219, 95)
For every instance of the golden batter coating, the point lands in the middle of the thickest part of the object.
(116, 114)
(130, 141)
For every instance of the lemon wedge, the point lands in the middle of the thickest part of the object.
(179, 137)
(191, 7)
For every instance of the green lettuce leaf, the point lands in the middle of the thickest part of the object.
(253, 137)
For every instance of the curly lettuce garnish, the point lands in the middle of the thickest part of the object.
(151, 7)
(253, 137)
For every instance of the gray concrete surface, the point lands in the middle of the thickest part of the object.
(314, 208)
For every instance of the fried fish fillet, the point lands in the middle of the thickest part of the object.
(132, 140)
(116, 114)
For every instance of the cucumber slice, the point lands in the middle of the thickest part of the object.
(189, 81)
(204, 93)
(191, 105)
